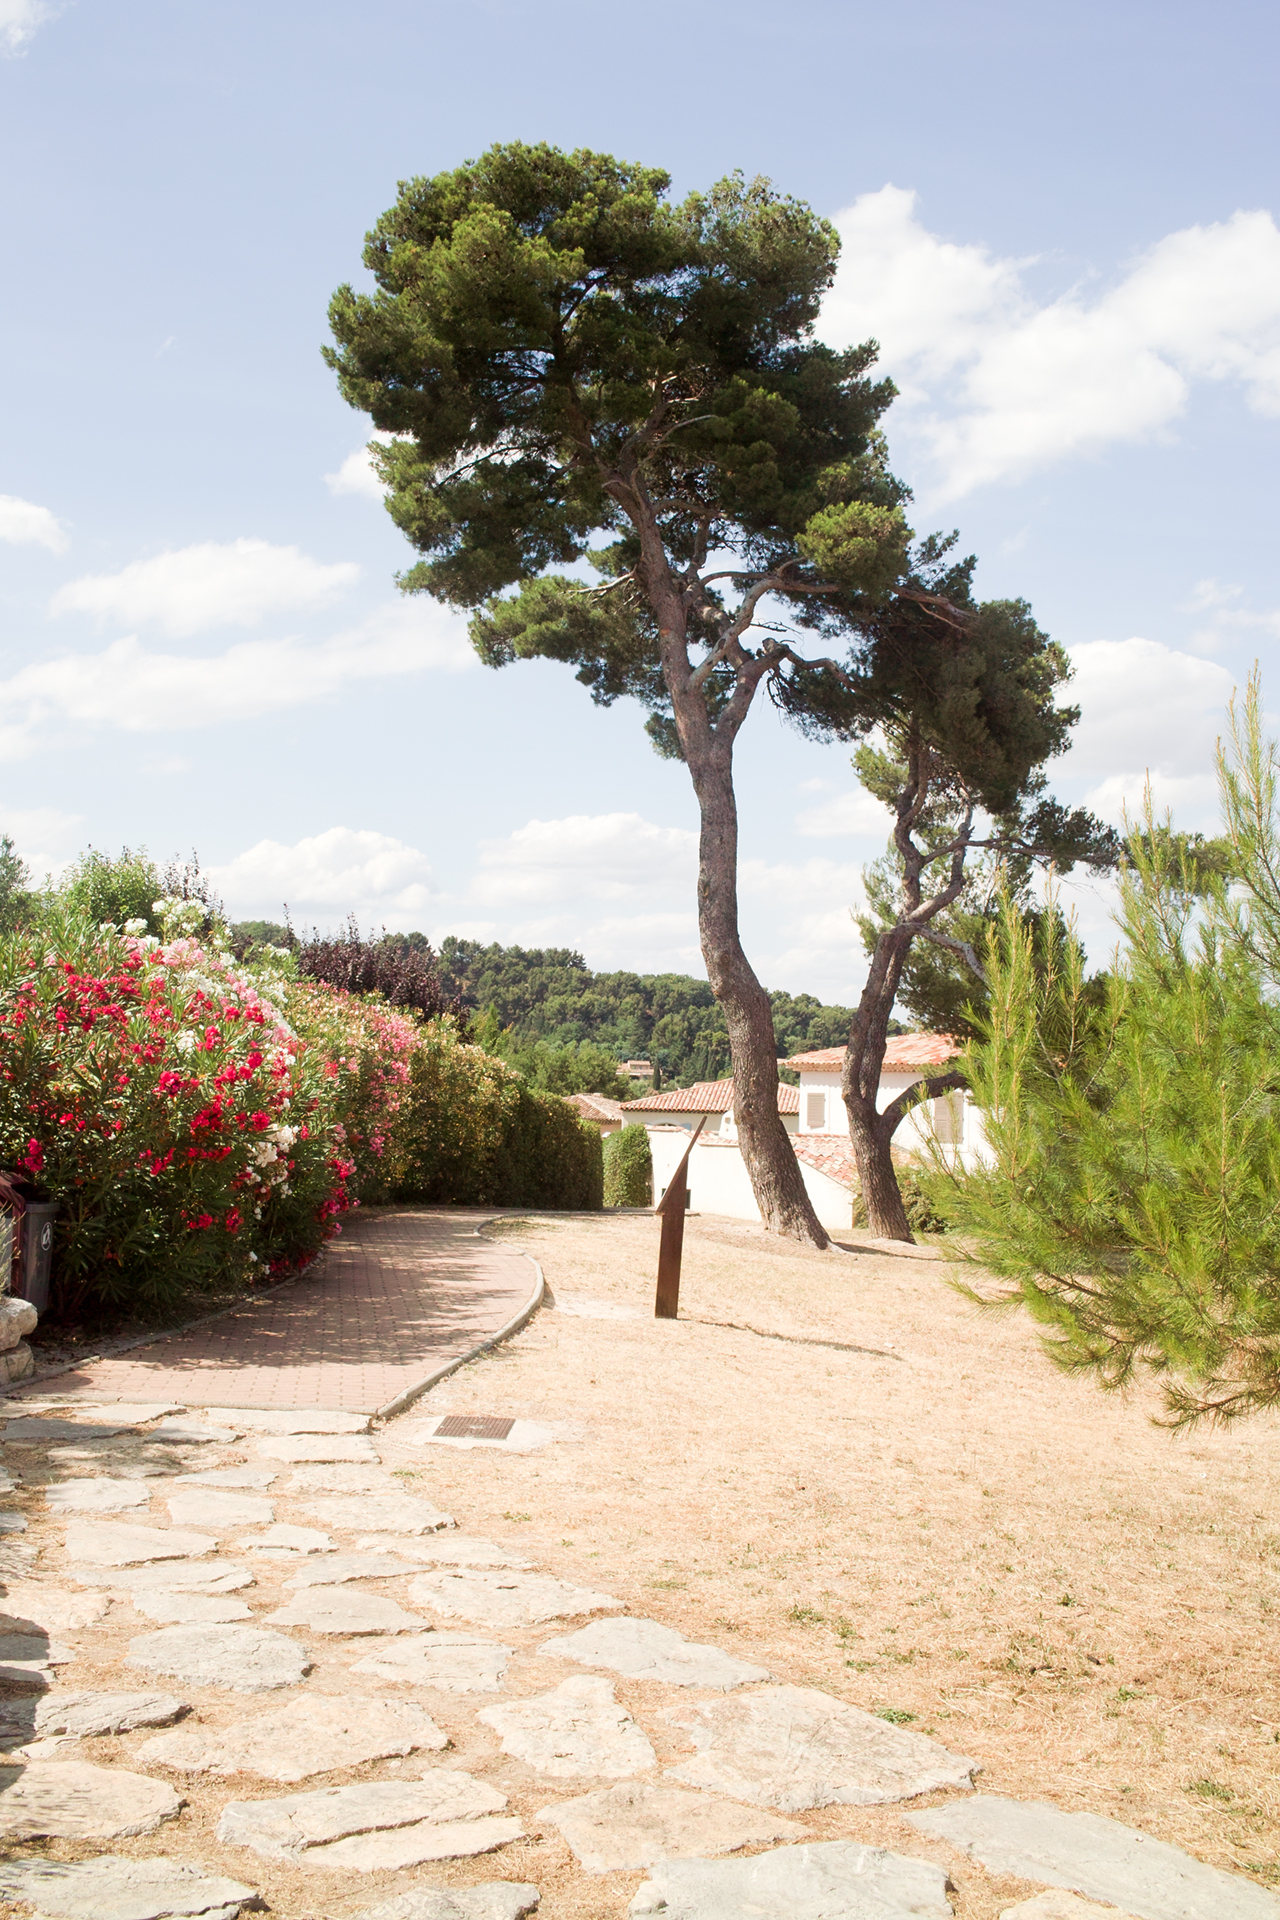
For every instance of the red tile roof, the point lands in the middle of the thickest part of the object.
(708, 1096)
(829, 1154)
(595, 1106)
(903, 1051)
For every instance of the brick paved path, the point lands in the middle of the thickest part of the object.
(400, 1294)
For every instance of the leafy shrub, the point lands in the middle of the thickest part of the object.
(405, 977)
(628, 1168)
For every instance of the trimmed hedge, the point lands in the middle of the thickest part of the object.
(628, 1168)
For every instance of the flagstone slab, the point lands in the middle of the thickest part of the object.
(452, 1549)
(219, 1507)
(344, 1478)
(1089, 1854)
(245, 1659)
(83, 1715)
(1062, 1906)
(37, 1431)
(642, 1649)
(198, 1432)
(304, 1829)
(354, 1447)
(491, 1900)
(280, 1420)
(826, 1880)
(621, 1828)
(32, 1650)
(313, 1734)
(290, 1539)
(105, 1495)
(345, 1609)
(114, 1888)
(11, 1522)
(52, 1609)
(173, 1608)
(109, 1543)
(200, 1576)
(794, 1748)
(259, 1478)
(577, 1729)
(331, 1568)
(70, 1800)
(411, 1846)
(504, 1599)
(390, 1513)
(450, 1662)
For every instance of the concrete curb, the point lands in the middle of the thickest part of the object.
(517, 1320)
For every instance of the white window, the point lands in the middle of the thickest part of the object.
(815, 1112)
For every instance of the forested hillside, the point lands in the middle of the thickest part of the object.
(550, 994)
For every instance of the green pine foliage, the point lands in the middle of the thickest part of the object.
(628, 1168)
(15, 879)
(1131, 1202)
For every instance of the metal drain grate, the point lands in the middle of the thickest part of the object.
(473, 1426)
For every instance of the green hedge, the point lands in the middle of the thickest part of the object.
(470, 1133)
(628, 1168)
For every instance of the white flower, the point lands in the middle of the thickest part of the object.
(135, 926)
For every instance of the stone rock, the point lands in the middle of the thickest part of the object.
(793, 1748)
(219, 1507)
(505, 1599)
(313, 1734)
(196, 1431)
(17, 1558)
(335, 1447)
(70, 1800)
(32, 1650)
(82, 1715)
(450, 1662)
(827, 1880)
(7, 1481)
(391, 1513)
(345, 1610)
(1061, 1906)
(621, 1828)
(448, 1549)
(245, 1659)
(54, 1609)
(491, 1900)
(35, 1431)
(289, 1539)
(17, 1363)
(199, 1576)
(344, 1479)
(16, 1318)
(98, 1496)
(137, 1413)
(1089, 1854)
(13, 1522)
(113, 1888)
(189, 1609)
(645, 1650)
(413, 1820)
(257, 1477)
(335, 1567)
(300, 1420)
(104, 1543)
(578, 1728)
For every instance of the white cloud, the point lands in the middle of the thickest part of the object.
(18, 22)
(356, 475)
(608, 856)
(45, 837)
(997, 384)
(1146, 710)
(21, 523)
(854, 812)
(329, 875)
(138, 691)
(192, 589)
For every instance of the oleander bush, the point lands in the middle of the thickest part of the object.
(628, 1168)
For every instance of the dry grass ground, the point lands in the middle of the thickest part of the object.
(902, 1501)
(895, 1498)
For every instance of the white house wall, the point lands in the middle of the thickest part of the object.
(719, 1182)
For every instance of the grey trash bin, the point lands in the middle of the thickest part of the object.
(37, 1253)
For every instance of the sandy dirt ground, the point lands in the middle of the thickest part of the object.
(835, 1466)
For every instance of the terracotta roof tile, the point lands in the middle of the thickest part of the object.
(708, 1096)
(829, 1154)
(595, 1106)
(903, 1050)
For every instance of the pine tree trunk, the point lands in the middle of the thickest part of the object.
(882, 1197)
(776, 1179)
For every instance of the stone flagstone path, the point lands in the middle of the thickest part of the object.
(397, 1296)
(345, 1757)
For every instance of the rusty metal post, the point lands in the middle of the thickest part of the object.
(671, 1207)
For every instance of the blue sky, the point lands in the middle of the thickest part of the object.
(1058, 221)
